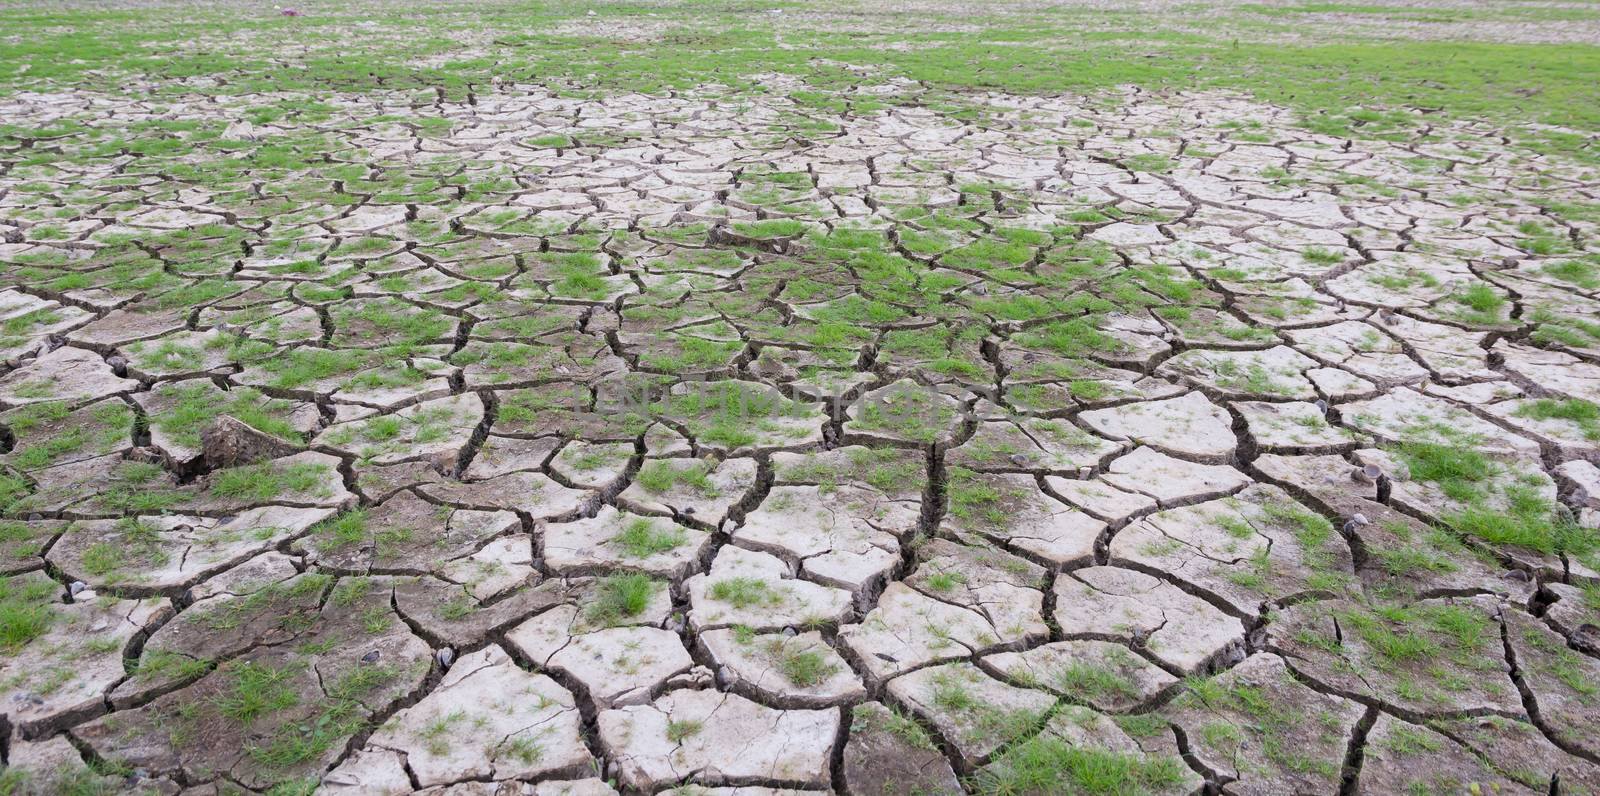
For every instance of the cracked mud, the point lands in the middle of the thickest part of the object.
(869, 439)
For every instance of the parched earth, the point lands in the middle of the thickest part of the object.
(548, 442)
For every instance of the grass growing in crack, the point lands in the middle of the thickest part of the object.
(302, 366)
(1480, 304)
(137, 542)
(265, 481)
(744, 592)
(256, 690)
(1457, 469)
(1082, 681)
(805, 668)
(945, 581)
(345, 529)
(640, 538)
(522, 749)
(98, 778)
(1581, 413)
(20, 541)
(340, 717)
(195, 406)
(458, 607)
(233, 613)
(105, 428)
(25, 612)
(12, 490)
(1320, 256)
(618, 597)
(1144, 725)
(798, 662)
(133, 489)
(1532, 527)
(1394, 645)
(435, 735)
(679, 730)
(975, 499)
(659, 477)
(1582, 273)
(1077, 337)
(865, 719)
(159, 665)
(1524, 519)
(1414, 555)
(982, 720)
(1047, 764)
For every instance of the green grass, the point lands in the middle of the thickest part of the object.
(680, 730)
(1047, 764)
(1342, 86)
(265, 481)
(640, 538)
(1526, 520)
(743, 592)
(659, 477)
(25, 612)
(255, 691)
(618, 597)
(341, 714)
(801, 665)
(194, 407)
(1580, 413)
(1480, 303)
(345, 529)
(1083, 681)
(1456, 468)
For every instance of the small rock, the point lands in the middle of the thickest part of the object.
(229, 443)
(76, 586)
(371, 657)
(1587, 639)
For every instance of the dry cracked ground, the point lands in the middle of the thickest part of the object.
(840, 428)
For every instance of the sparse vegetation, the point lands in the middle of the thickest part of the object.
(619, 597)
(600, 327)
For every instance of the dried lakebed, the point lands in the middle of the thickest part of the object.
(715, 443)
